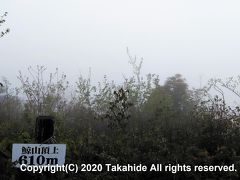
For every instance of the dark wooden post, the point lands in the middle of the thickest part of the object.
(44, 129)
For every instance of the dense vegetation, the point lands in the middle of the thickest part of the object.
(138, 121)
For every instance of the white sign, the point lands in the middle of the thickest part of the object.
(38, 154)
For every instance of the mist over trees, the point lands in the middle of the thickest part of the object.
(138, 121)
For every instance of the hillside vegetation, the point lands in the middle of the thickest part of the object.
(138, 121)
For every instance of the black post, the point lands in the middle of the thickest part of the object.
(44, 129)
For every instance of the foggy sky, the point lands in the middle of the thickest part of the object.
(194, 38)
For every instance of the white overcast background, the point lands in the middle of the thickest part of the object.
(194, 38)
